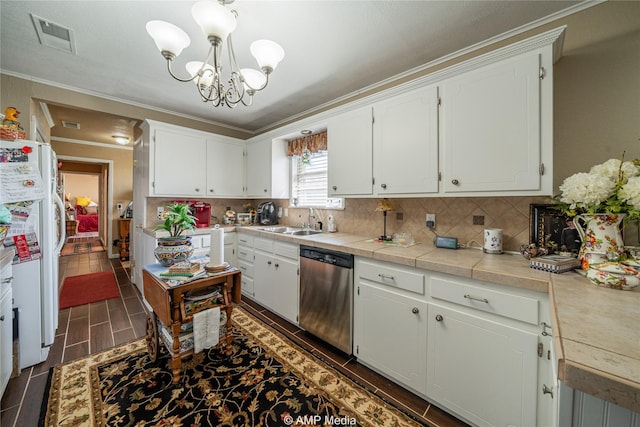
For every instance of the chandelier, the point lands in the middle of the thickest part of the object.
(217, 22)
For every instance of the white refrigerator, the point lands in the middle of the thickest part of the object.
(28, 184)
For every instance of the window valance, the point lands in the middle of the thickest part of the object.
(307, 144)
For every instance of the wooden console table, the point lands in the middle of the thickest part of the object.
(168, 305)
(124, 238)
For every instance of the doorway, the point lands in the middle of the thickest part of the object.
(86, 185)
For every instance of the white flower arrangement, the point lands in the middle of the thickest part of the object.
(612, 187)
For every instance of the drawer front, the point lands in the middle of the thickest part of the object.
(263, 244)
(286, 250)
(246, 268)
(201, 252)
(245, 254)
(229, 238)
(196, 242)
(247, 285)
(503, 304)
(394, 277)
(245, 239)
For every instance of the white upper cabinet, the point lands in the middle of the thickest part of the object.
(491, 127)
(350, 141)
(267, 169)
(405, 143)
(258, 169)
(482, 127)
(389, 148)
(180, 163)
(225, 168)
(189, 163)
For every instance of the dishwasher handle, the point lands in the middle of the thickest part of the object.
(338, 259)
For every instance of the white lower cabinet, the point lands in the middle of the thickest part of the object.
(481, 370)
(390, 322)
(201, 244)
(476, 349)
(276, 281)
(244, 262)
(488, 358)
(6, 319)
(6, 339)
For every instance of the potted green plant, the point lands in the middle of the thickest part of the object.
(176, 247)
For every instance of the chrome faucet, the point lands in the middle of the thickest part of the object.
(310, 224)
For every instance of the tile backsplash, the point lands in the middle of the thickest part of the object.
(454, 216)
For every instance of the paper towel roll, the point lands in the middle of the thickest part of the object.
(216, 254)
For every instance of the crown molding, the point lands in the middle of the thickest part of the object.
(91, 143)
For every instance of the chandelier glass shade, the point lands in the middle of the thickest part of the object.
(217, 23)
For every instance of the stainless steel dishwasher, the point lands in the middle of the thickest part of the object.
(326, 296)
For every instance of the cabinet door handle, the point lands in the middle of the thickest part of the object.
(276, 265)
(384, 276)
(197, 190)
(547, 390)
(439, 318)
(471, 297)
(268, 262)
(7, 280)
(211, 190)
(335, 187)
(383, 185)
(415, 310)
(455, 181)
(265, 190)
(2, 318)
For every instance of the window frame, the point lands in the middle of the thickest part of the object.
(338, 202)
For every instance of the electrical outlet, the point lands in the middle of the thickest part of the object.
(431, 220)
(160, 213)
(399, 216)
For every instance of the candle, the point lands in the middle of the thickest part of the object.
(216, 254)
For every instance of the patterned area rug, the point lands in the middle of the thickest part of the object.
(268, 381)
(84, 235)
(85, 246)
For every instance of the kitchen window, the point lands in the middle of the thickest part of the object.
(309, 182)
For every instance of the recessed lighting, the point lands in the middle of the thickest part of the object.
(123, 140)
(305, 132)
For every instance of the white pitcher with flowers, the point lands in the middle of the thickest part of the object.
(600, 201)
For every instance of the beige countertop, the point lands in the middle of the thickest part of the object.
(596, 330)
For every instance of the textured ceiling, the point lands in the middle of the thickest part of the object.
(333, 48)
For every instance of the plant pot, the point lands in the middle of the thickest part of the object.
(172, 250)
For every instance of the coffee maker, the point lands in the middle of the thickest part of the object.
(202, 212)
(267, 214)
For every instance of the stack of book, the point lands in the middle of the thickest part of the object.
(182, 272)
(182, 269)
(554, 263)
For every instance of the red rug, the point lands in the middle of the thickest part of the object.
(86, 288)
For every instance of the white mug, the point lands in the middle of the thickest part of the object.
(492, 241)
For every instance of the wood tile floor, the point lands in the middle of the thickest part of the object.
(94, 327)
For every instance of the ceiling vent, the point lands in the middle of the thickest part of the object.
(70, 125)
(54, 35)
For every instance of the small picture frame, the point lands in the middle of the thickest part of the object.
(546, 226)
